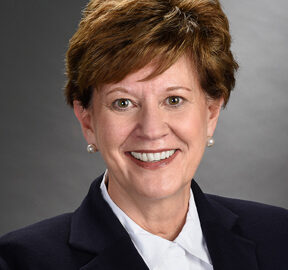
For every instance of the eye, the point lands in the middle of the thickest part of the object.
(121, 104)
(174, 101)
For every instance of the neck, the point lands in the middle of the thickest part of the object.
(164, 217)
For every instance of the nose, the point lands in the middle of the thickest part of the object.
(152, 123)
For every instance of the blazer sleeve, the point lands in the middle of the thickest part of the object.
(6, 250)
(4, 265)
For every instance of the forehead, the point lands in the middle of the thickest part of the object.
(182, 73)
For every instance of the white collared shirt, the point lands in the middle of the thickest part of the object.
(187, 252)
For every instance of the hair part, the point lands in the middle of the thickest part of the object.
(116, 38)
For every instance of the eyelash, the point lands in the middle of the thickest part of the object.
(181, 101)
(117, 108)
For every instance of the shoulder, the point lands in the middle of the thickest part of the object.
(257, 220)
(41, 240)
(48, 244)
(249, 209)
(53, 228)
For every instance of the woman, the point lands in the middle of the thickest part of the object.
(147, 80)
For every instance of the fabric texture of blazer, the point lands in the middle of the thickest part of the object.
(240, 235)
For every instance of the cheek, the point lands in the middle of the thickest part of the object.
(192, 128)
(112, 131)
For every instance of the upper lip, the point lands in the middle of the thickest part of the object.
(153, 151)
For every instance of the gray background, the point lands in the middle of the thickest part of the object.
(45, 169)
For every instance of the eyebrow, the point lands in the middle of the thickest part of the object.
(172, 88)
(178, 87)
(117, 89)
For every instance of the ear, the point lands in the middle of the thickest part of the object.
(214, 107)
(84, 117)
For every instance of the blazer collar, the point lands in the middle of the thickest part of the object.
(96, 230)
(227, 248)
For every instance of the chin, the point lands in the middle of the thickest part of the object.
(161, 187)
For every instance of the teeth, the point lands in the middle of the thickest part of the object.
(157, 156)
(150, 157)
(143, 157)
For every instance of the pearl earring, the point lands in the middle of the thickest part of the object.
(91, 148)
(210, 142)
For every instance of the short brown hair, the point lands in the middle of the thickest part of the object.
(116, 38)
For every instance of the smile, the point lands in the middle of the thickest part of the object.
(153, 160)
(153, 157)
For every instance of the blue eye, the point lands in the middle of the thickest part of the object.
(121, 104)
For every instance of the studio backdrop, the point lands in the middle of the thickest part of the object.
(45, 169)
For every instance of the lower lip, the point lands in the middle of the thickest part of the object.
(154, 165)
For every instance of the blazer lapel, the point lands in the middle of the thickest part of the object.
(228, 249)
(121, 255)
(96, 229)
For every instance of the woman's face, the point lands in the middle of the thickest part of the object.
(167, 118)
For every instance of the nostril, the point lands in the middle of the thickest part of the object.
(152, 134)
(153, 130)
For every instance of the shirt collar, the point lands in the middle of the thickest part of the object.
(190, 238)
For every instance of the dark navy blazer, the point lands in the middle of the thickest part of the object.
(240, 235)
